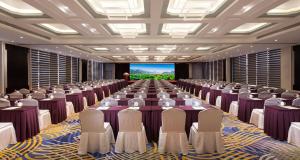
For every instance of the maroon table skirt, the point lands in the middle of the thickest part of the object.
(214, 93)
(151, 117)
(90, 97)
(278, 120)
(105, 90)
(77, 100)
(25, 121)
(227, 98)
(197, 90)
(150, 101)
(246, 105)
(204, 91)
(99, 93)
(56, 107)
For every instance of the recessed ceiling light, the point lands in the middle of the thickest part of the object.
(100, 48)
(19, 7)
(117, 49)
(166, 48)
(276, 40)
(56, 47)
(117, 56)
(249, 27)
(213, 30)
(58, 28)
(93, 30)
(128, 30)
(186, 48)
(287, 8)
(137, 48)
(251, 46)
(12, 41)
(84, 24)
(268, 48)
(203, 48)
(21, 37)
(186, 56)
(179, 30)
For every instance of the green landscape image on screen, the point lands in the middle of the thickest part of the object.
(157, 71)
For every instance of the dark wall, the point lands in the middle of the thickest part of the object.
(17, 67)
(108, 70)
(84, 70)
(181, 71)
(296, 67)
(121, 68)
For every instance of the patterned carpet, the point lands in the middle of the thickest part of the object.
(242, 141)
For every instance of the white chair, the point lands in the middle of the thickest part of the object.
(184, 95)
(58, 90)
(234, 105)
(108, 102)
(140, 95)
(38, 95)
(95, 137)
(193, 102)
(167, 102)
(136, 102)
(206, 135)
(132, 136)
(207, 97)
(7, 135)
(218, 102)
(4, 102)
(16, 95)
(162, 95)
(294, 134)
(296, 103)
(69, 105)
(257, 115)
(119, 95)
(24, 91)
(172, 135)
(44, 115)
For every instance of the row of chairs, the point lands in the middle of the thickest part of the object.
(205, 135)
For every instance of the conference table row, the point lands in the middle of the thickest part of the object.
(151, 117)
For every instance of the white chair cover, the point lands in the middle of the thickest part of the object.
(95, 137)
(172, 136)
(119, 95)
(294, 134)
(136, 102)
(38, 95)
(7, 135)
(163, 95)
(42, 90)
(108, 102)
(265, 95)
(207, 97)
(218, 102)
(16, 95)
(296, 102)
(193, 102)
(140, 95)
(132, 136)
(24, 91)
(167, 102)
(58, 90)
(43, 114)
(184, 95)
(4, 102)
(206, 135)
(76, 90)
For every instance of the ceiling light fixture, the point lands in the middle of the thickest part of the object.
(288, 8)
(179, 30)
(166, 48)
(100, 48)
(213, 30)
(128, 30)
(117, 9)
(249, 28)
(137, 48)
(193, 9)
(203, 48)
(58, 28)
(19, 7)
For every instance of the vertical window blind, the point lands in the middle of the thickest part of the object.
(75, 69)
(261, 68)
(97, 70)
(214, 70)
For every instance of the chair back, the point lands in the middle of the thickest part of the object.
(289, 95)
(263, 90)
(265, 95)
(244, 90)
(38, 95)
(163, 95)
(58, 90)
(296, 102)
(244, 95)
(167, 102)
(119, 95)
(42, 90)
(183, 95)
(274, 102)
(173, 120)
(58, 95)
(130, 120)
(210, 120)
(24, 91)
(4, 102)
(76, 90)
(136, 102)
(279, 90)
(88, 118)
(193, 102)
(16, 95)
(140, 95)
(29, 102)
(89, 88)
(108, 102)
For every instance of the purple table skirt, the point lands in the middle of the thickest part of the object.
(90, 96)
(214, 93)
(204, 91)
(197, 90)
(105, 90)
(25, 121)
(151, 117)
(77, 100)
(227, 98)
(99, 93)
(150, 101)
(246, 105)
(278, 120)
(56, 107)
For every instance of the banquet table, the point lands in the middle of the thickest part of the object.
(214, 93)
(278, 120)
(77, 100)
(204, 91)
(106, 91)
(56, 107)
(246, 105)
(151, 117)
(99, 93)
(150, 101)
(197, 90)
(24, 119)
(90, 97)
(227, 98)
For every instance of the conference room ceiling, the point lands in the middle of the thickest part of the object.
(151, 30)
